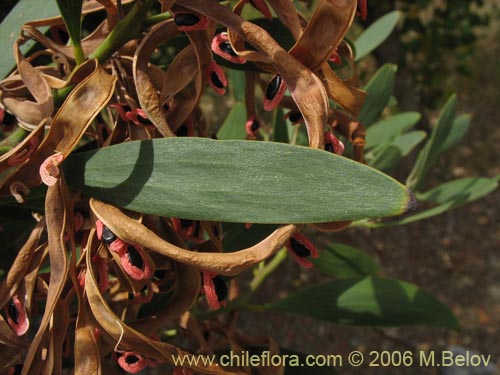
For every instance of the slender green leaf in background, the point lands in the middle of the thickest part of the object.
(10, 28)
(280, 129)
(71, 14)
(370, 301)
(234, 125)
(345, 261)
(434, 146)
(376, 34)
(451, 195)
(387, 129)
(400, 147)
(458, 131)
(236, 79)
(235, 181)
(379, 90)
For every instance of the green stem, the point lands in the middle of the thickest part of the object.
(262, 273)
(78, 50)
(157, 18)
(12, 140)
(124, 31)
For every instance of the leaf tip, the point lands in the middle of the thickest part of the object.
(412, 203)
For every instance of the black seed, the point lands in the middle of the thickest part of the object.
(186, 19)
(8, 119)
(255, 126)
(127, 108)
(182, 131)
(144, 121)
(185, 223)
(165, 106)
(220, 288)
(134, 257)
(329, 147)
(13, 312)
(131, 359)
(226, 47)
(299, 248)
(295, 116)
(107, 236)
(273, 87)
(216, 81)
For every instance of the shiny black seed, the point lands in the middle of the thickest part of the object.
(134, 257)
(182, 131)
(107, 236)
(216, 81)
(8, 119)
(131, 359)
(299, 248)
(273, 87)
(220, 288)
(127, 108)
(255, 125)
(13, 312)
(165, 106)
(186, 19)
(329, 147)
(295, 116)
(226, 47)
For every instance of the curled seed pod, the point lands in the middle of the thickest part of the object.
(49, 170)
(16, 316)
(216, 78)
(333, 144)
(252, 126)
(301, 248)
(104, 234)
(274, 92)
(215, 289)
(222, 47)
(132, 362)
(187, 21)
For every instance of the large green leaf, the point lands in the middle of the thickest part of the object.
(24, 11)
(345, 261)
(379, 91)
(376, 34)
(71, 14)
(451, 195)
(387, 129)
(429, 154)
(369, 301)
(234, 125)
(235, 181)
